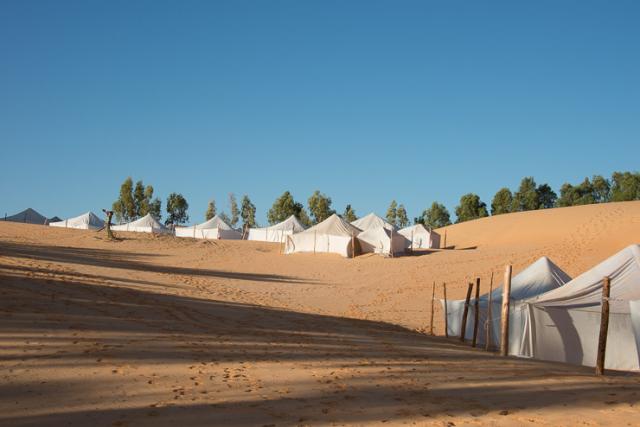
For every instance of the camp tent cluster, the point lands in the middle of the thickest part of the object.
(30, 216)
(213, 229)
(276, 233)
(555, 318)
(86, 221)
(370, 233)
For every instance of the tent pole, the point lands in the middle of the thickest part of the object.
(489, 322)
(463, 326)
(476, 316)
(604, 326)
(314, 241)
(433, 297)
(446, 311)
(504, 329)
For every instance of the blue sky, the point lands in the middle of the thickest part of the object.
(365, 101)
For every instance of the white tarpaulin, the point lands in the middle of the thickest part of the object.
(277, 232)
(418, 237)
(28, 216)
(540, 277)
(146, 224)
(371, 221)
(87, 221)
(381, 241)
(213, 229)
(333, 235)
(563, 325)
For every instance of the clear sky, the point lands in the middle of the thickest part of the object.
(366, 101)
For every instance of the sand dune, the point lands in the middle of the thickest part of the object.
(158, 330)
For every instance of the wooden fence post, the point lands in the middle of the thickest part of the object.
(604, 326)
(489, 326)
(504, 327)
(476, 316)
(463, 326)
(433, 297)
(446, 312)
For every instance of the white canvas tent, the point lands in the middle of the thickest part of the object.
(418, 237)
(278, 232)
(28, 216)
(563, 325)
(86, 221)
(333, 235)
(146, 224)
(538, 278)
(381, 241)
(213, 229)
(371, 221)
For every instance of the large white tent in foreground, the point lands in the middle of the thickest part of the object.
(381, 240)
(538, 278)
(86, 221)
(418, 237)
(371, 221)
(146, 224)
(277, 232)
(213, 229)
(563, 325)
(333, 235)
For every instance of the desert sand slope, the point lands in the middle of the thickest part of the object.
(164, 331)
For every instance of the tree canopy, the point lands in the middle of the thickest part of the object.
(402, 220)
(177, 207)
(471, 207)
(211, 210)
(435, 217)
(349, 214)
(502, 202)
(235, 212)
(284, 207)
(247, 212)
(320, 207)
(133, 203)
(392, 213)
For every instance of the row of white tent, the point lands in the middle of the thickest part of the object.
(370, 233)
(552, 317)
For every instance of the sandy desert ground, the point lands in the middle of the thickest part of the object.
(164, 331)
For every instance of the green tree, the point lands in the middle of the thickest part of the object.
(284, 207)
(546, 196)
(392, 213)
(574, 195)
(148, 204)
(177, 207)
(320, 207)
(223, 216)
(211, 210)
(349, 214)
(601, 189)
(248, 212)
(401, 216)
(155, 206)
(526, 198)
(471, 207)
(235, 212)
(435, 217)
(139, 199)
(568, 195)
(125, 207)
(625, 186)
(502, 202)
